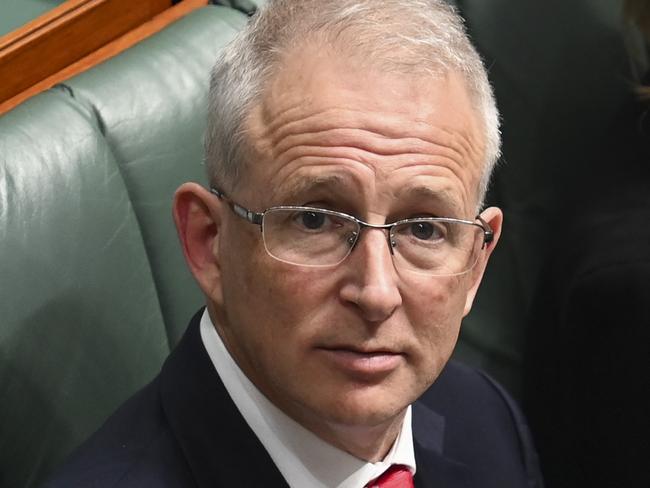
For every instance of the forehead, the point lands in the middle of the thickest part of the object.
(328, 120)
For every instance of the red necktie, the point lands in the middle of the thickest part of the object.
(397, 476)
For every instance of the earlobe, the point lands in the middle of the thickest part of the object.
(494, 217)
(197, 216)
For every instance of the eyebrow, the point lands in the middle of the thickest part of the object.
(441, 198)
(308, 186)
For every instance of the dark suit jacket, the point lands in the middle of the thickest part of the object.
(183, 430)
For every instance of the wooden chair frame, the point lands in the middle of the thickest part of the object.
(75, 36)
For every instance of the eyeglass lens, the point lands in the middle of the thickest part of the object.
(319, 238)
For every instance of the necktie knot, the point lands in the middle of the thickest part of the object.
(397, 476)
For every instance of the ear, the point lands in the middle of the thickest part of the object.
(197, 214)
(494, 217)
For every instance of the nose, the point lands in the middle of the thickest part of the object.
(372, 283)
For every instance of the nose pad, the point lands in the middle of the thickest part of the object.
(392, 243)
(352, 240)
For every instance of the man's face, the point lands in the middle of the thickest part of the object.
(354, 344)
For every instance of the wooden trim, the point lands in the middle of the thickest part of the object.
(31, 28)
(64, 35)
(147, 29)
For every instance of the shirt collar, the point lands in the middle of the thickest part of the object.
(305, 460)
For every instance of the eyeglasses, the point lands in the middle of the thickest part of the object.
(317, 237)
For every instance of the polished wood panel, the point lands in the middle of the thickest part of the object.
(108, 51)
(64, 35)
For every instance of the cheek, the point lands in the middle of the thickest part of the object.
(436, 300)
(302, 296)
(246, 285)
(237, 272)
(275, 298)
(435, 310)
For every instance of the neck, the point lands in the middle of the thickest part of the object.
(370, 443)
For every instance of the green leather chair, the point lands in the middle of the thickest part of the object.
(94, 290)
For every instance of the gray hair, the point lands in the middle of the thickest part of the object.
(424, 36)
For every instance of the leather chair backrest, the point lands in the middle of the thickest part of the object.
(93, 287)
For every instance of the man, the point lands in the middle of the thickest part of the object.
(340, 244)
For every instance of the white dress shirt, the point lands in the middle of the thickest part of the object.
(304, 459)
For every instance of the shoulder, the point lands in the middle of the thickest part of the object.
(483, 426)
(463, 389)
(135, 447)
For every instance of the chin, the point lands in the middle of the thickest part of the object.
(363, 408)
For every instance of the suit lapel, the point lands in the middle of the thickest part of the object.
(220, 448)
(434, 470)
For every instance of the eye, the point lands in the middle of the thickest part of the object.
(311, 220)
(426, 231)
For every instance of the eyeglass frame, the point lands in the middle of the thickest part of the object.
(257, 218)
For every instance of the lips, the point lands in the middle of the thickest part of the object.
(366, 364)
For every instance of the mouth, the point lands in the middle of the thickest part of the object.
(363, 364)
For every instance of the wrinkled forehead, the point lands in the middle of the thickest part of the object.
(316, 70)
(320, 97)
